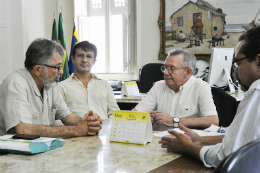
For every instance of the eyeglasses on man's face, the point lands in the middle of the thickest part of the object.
(235, 60)
(170, 69)
(58, 68)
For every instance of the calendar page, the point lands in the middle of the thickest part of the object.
(131, 127)
(130, 88)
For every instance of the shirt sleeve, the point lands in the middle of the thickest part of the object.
(15, 107)
(206, 103)
(244, 129)
(148, 103)
(62, 108)
(111, 101)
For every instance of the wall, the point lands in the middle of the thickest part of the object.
(39, 15)
(38, 20)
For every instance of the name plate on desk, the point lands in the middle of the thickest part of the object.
(129, 88)
(131, 127)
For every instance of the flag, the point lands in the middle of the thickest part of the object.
(61, 40)
(54, 36)
(74, 41)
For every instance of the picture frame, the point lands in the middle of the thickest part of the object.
(206, 17)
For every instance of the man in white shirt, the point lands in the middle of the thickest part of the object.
(245, 126)
(30, 100)
(83, 91)
(180, 97)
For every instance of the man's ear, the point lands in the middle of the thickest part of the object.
(95, 60)
(37, 70)
(72, 57)
(189, 71)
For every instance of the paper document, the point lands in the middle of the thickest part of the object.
(199, 132)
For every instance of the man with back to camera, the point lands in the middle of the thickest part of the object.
(30, 99)
(217, 36)
(245, 126)
(180, 97)
(95, 94)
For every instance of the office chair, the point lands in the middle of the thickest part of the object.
(245, 159)
(226, 106)
(150, 73)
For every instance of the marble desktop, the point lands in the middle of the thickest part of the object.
(91, 154)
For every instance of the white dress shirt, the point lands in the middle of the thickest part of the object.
(193, 100)
(21, 101)
(244, 129)
(98, 96)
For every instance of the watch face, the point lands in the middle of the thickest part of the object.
(176, 120)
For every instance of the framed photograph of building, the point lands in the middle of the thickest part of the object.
(199, 25)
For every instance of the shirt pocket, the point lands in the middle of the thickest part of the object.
(189, 112)
(52, 110)
(35, 118)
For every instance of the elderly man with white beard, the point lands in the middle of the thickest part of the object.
(31, 102)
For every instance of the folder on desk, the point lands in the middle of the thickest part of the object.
(22, 146)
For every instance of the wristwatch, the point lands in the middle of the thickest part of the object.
(176, 121)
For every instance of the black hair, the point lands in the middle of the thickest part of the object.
(251, 45)
(86, 46)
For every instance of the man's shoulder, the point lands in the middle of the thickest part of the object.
(18, 76)
(197, 82)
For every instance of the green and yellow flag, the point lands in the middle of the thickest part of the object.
(61, 40)
(54, 35)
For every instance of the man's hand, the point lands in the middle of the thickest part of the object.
(180, 143)
(176, 142)
(195, 138)
(90, 124)
(162, 117)
(152, 118)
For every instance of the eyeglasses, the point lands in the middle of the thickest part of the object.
(170, 69)
(58, 68)
(237, 60)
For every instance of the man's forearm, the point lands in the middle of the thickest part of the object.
(201, 122)
(48, 131)
(210, 140)
(71, 120)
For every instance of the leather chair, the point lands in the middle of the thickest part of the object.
(150, 73)
(246, 159)
(226, 106)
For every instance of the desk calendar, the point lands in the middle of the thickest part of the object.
(131, 127)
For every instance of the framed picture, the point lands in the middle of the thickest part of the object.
(199, 25)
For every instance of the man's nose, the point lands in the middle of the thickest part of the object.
(61, 71)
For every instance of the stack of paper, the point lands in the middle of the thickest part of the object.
(43, 144)
(211, 131)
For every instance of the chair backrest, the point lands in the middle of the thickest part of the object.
(246, 159)
(150, 73)
(226, 106)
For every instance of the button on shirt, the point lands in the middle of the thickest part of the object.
(194, 99)
(244, 129)
(21, 101)
(98, 96)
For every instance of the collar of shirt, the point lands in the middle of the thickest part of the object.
(28, 75)
(72, 76)
(186, 84)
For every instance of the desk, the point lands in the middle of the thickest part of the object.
(97, 154)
